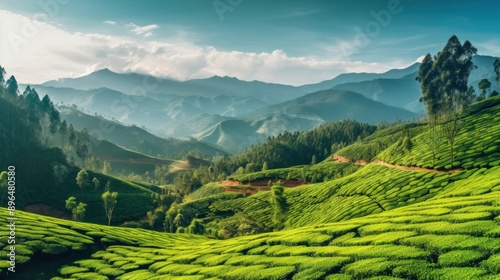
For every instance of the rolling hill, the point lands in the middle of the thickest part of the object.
(135, 138)
(300, 114)
(333, 105)
(380, 222)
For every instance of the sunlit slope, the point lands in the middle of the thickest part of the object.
(370, 190)
(373, 188)
(454, 235)
(477, 143)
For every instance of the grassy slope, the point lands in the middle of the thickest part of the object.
(134, 200)
(477, 144)
(373, 188)
(454, 235)
(122, 159)
(378, 221)
(326, 169)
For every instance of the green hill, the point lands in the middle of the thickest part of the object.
(387, 220)
(383, 212)
(374, 188)
(30, 136)
(453, 235)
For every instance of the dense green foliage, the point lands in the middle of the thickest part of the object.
(482, 119)
(445, 91)
(373, 188)
(44, 151)
(453, 235)
(290, 149)
(320, 172)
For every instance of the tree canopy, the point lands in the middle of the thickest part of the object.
(444, 85)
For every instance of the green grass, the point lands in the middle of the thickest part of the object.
(471, 151)
(393, 244)
(323, 171)
(377, 223)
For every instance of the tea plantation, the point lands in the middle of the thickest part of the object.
(370, 222)
(453, 235)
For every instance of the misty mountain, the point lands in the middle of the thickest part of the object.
(398, 87)
(233, 135)
(300, 114)
(111, 104)
(139, 84)
(234, 114)
(402, 92)
(133, 137)
(164, 115)
(333, 105)
(360, 77)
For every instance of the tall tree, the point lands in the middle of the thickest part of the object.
(483, 85)
(2, 75)
(82, 179)
(278, 202)
(12, 86)
(71, 205)
(454, 64)
(81, 209)
(496, 66)
(3, 186)
(96, 183)
(433, 102)
(264, 166)
(109, 199)
(444, 84)
(77, 209)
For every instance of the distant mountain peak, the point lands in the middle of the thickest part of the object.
(103, 71)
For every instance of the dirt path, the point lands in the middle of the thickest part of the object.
(340, 158)
(256, 186)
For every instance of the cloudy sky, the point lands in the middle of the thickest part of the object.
(281, 41)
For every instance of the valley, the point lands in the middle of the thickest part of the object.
(249, 140)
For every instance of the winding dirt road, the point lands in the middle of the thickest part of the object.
(340, 158)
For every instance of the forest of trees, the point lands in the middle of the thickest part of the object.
(35, 140)
(290, 149)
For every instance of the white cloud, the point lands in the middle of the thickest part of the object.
(142, 30)
(110, 22)
(48, 52)
(420, 59)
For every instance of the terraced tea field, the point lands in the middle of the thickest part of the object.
(453, 235)
(375, 221)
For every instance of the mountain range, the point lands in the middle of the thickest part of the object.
(234, 114)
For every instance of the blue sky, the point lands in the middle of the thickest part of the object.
(291, 42)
